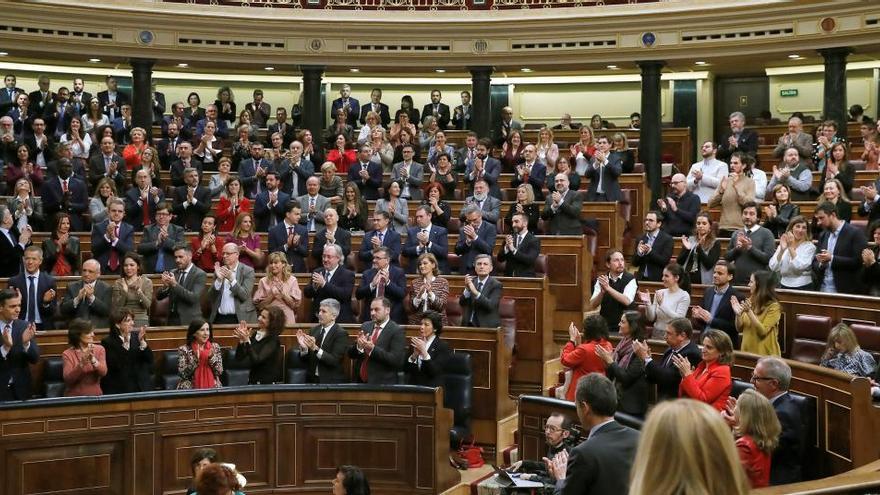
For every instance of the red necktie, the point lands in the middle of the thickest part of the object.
(113, 263)
(64, 186)
(373, 338)
(380, 290)
(146, 209)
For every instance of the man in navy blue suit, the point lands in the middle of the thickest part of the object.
(376, 105)
(67, 194)
(345, 102)
(381, 235)
(37, 289)
(367, 175)
(252, 172)
(426, 238)
(531, 171)
(477, 237)
(112, 238)
(332, 281)
(270, 205)
(191, 201)
(12, 246)
(18, 349)
(291, 238)
(838, 261)
(383, 280)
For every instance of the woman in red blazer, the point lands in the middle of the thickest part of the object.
(758, 429)
(710, 382)
(581, 358)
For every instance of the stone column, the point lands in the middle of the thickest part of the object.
(651, 135)
(313, 117)
(834, 99)
(142, 94)
(481, 100)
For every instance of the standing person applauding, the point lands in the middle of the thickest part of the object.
(579, 353)
(260, 351)
(710, 382)
(758, 316)
(84, 361)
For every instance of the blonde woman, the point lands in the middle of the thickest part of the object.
(758, 316)
(248, 240)
(150, 163)
(525, 204)
(582, 151)
(372, 122)
(279, 287)
(832, 192)
(794, 257)
(696, 446)
(620, 153)
(548, 151)
(843, 353)
(383, 152)
(429, 290)
(132, 151)
(331, 184)
(757, 429)
(734, 191)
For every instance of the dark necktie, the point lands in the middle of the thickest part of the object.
(474, 320)
(32, 299)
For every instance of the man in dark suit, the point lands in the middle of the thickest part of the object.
(80, 98)
(159, 241)
(603, 175)
(381, 235)
(184, 286)
(10, 91)
(331, 234)
(482, 296)
(112, 99)
(88, 298)
(167, 147)
(283, 127)
(191, 202)
(490, 206)
(562, 211)
(259, 109)
(772, 377)
(376, 105)
(345, 102)
(142, 200)
(158, 102)
(112, 238)
(838, 261)
(383, 280)
(252, 172)
(506, 126)
(37, 289)
(291, 238)
(324, 347)
(751, 247)
(12, 245)
(662, 372)
(870, 207)
(477, 237)
(716, 311)
(59, 113)
(462, 115)
(18, 349)
(426, 238)
(531, 171)
(520, 250)
(332, 281)
(109, 164)
(479, 164)
(41, 146)
(380, 349)
(184, 161)
(737, 139)
(600, 464)
(43, 99)
(680, 207)
(439, 111)
(653, 250)
(366, 174)
(270, 205)
(295, 171)
(67, 194)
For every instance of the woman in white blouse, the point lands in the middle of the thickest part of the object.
(77, 139)
(669, 303)
(548, 151)
(395, 206)
(794, 257)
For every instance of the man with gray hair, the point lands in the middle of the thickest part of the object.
(477, 237)
(8, 143)
(351, 106)
(737, 139)
(88, 298)
(796, 138)
(602, 462)
(231, 293)
(331, 280)
(771, 378)
(323, 348)
(680, 207)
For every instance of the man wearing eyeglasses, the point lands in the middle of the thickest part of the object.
(557, 433)
(680, 207)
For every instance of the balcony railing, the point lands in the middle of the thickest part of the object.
(413, 5)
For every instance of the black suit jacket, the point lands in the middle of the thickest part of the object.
(395, 290)
(430, 372)
(391, 240)
(262, 357)
(127, 370)
(134, 213)
(151, 249)
(122, 98)
(369, 187)
(666, 376)
(566, 220)
(725, 318)
(45, 283)
(485, 307)
(190, 216)
(384, 114)
(785, 465)
(387, 356)
(342, 237)
(97, 311)
(846, 263)
(288, 136)
(443, 114)
(747, 143)
(333, 348)
(296, 255)
(98, 170)
(484, 244)
(16, 365)
(340, 287)
(177, 169)
(10, 255)
(652, 264)
(75, 204)
(600, 465)
(439, 247)
(101, 248)
(522, 262)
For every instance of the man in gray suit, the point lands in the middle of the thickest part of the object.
(380, 349)
(88, 298)
(482, 296)
(601, 463)
(751, 247)
(410, 172)
(159, 241)
(184, 286)
(230, 294)
(313, 205)
(490, 206)
(798, 139)
(562, 210)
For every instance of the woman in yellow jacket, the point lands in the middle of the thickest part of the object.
(758, 316)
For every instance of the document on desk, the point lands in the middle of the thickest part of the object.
(512, 479)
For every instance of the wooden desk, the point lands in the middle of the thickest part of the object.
(283, 439)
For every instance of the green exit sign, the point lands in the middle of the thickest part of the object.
(788, 92)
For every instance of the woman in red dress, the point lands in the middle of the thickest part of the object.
(579, 353)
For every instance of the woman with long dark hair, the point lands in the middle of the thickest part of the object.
(626, 368)
(260, 350)
(794, 257)
(757, 317)
(129, 357)
(579, 354)
(670, 302)
(700, 251)
(61, 250)
(779, 212)
(199, 361)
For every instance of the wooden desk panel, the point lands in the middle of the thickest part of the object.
(282, 438)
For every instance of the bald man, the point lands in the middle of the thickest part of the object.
(88, 298)
(680, 207)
